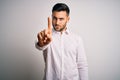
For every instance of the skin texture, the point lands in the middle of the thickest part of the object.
(59, 21)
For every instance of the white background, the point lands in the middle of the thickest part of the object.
(97, 21)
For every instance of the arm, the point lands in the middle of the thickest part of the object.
(82, 61)
(44, 37)
(41, 48)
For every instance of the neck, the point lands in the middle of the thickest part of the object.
(63, 30)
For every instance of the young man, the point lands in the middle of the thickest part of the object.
(63, 51)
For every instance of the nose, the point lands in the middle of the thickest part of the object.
(57, 21)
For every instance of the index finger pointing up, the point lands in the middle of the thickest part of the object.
(49, 23)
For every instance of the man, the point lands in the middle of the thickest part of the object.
(63, 51)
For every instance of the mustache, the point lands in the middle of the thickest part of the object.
(56, 25)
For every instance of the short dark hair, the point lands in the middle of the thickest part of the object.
(61, 7)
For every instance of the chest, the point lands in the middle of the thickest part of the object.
(65, 43)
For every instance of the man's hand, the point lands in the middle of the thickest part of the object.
(45, 36)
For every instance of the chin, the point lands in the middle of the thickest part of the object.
(57, 29)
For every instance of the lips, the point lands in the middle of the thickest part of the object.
(57, 26)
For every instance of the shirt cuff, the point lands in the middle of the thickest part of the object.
(40, 48)
(83, 73)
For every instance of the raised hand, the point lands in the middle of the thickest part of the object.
(45, 36)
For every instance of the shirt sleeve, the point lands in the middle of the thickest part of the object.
(82, 61)
(40, 48)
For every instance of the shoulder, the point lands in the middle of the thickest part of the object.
(77, 39)
(75, 36)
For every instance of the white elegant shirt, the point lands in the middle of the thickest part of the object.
(65, 57)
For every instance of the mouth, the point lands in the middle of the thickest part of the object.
(57, 26)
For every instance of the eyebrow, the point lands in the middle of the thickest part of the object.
(57, 18)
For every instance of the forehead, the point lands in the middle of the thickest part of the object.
(59, 14)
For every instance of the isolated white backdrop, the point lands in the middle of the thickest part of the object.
(97, 21)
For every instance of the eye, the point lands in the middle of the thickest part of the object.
(54, 18)
(61, 19)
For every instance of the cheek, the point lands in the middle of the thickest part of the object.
(64, 22)
(53, 22)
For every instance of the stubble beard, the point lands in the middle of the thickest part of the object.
(61, 29)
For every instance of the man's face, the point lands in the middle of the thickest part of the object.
(59, 20)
